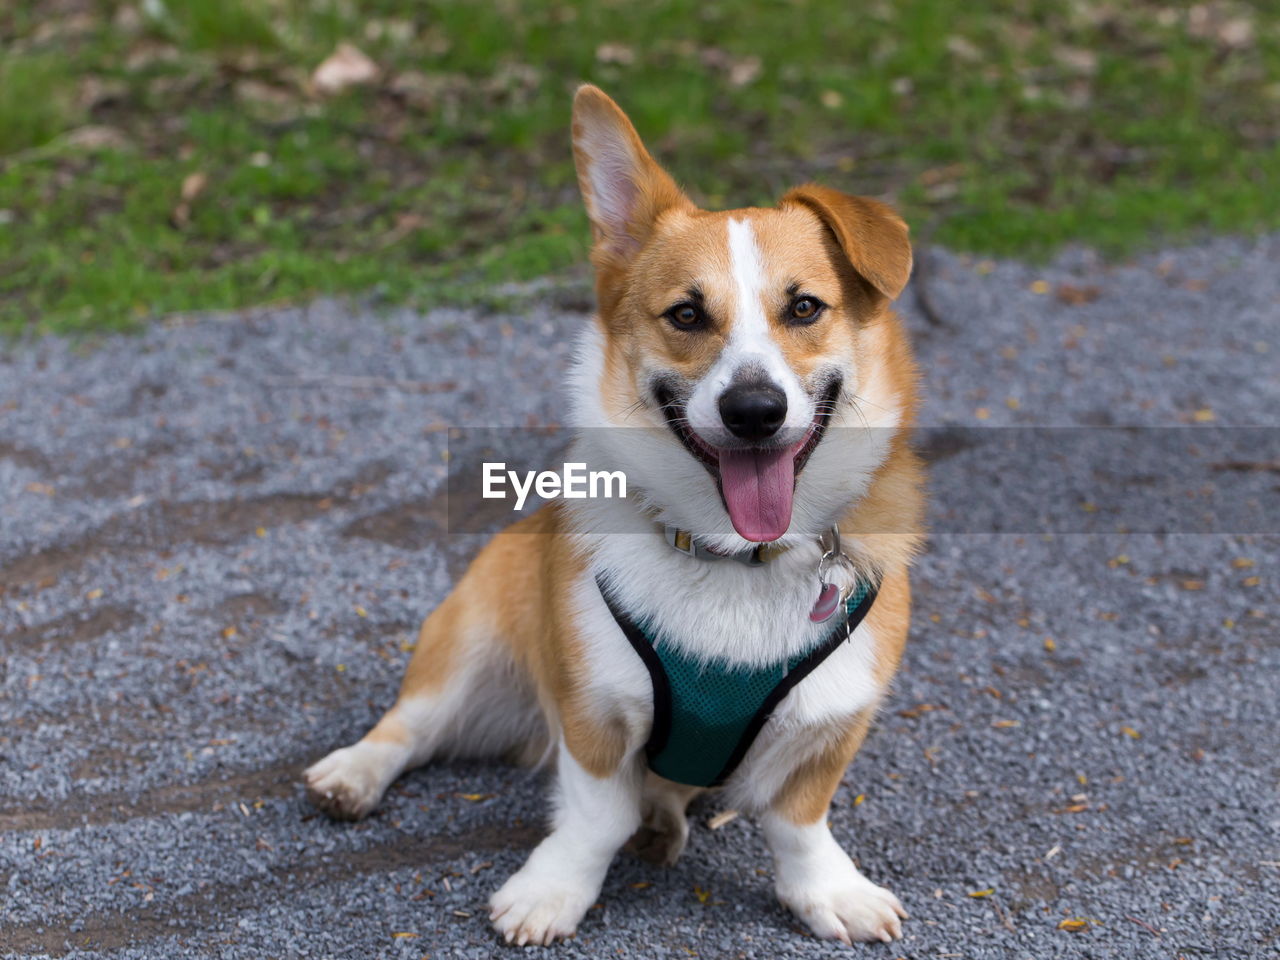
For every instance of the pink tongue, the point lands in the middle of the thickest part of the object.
(757, 487)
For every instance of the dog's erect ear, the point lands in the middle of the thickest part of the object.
(870, 233)
(624, 189)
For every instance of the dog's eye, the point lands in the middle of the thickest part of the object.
(686, 316)
(804, 309)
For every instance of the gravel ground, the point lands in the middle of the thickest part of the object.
(217, 540)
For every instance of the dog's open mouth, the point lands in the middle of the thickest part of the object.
(756, 484)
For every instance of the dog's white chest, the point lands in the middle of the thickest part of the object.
(727, 614)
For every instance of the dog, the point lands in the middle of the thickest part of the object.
(742, 636)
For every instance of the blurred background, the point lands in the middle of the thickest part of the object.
(160, 156)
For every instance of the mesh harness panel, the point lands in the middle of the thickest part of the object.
(707, 715)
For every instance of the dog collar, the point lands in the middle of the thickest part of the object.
(756, 556)
(830, 596)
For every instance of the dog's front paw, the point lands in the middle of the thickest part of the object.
(850, 909)
(348, 783)
(532, 908)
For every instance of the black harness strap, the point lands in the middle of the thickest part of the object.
(839, 635)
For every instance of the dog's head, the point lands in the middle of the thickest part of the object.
(745, 336)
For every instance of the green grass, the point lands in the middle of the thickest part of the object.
(36, 101)
(1007, 127)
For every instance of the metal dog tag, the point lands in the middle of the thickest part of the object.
(828, 601)
(830, 597)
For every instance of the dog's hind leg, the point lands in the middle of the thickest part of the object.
(463, 695)
(664, 829)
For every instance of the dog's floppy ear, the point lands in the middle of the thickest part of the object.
(624, 189)
(870, 233)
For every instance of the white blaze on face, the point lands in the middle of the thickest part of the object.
(750, 344)
(757, 483)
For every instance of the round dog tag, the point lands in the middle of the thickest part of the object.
(828, 602)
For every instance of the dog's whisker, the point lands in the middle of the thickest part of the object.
(634, 408)
(869, 403)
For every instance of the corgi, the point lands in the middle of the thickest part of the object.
(744, 639)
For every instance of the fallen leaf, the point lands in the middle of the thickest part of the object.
(193, 185)
(1131, 733)
(1073, 924)
(722, 818)
(347, 66)
(745, 71)
(405, 224)
(95, 137)
(915, 712)
(1077, 59)
(963, 48)
(976, 894)
(1236, 33)
(618, 53)
(1208, 22)
(1074, 296)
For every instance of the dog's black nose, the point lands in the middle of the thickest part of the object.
(753, 411)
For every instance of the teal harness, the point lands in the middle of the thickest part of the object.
(706, 716)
